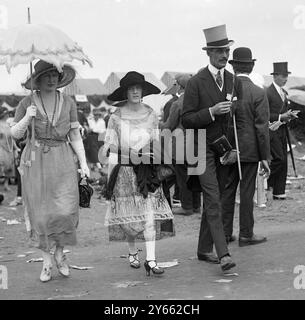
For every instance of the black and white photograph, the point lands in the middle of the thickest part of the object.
(152, 152)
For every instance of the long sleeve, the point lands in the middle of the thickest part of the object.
(173, 119)
(261, 126)
(192, 116)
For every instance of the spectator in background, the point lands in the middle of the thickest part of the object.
(190, 200)
(95, 139)
(7, 147)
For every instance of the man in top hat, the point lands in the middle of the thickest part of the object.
(205, 106)
(190, 201)
(252, 126)
(281, 114)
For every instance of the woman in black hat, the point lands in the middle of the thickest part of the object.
(137, 203)
(7, 147)
(48, 168)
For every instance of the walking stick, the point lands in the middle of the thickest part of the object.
(290, 150)
(235, 134)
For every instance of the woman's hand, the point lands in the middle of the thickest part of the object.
(31, 111)
(84, 170)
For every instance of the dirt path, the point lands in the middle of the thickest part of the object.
(264, 271)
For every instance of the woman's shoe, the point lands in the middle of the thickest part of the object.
(151, 265)
(134, 260)
(46, 273)
(61, 265)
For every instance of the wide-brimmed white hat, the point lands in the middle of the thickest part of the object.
(41, 67)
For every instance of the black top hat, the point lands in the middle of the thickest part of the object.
(242, 55)
(280, 68)
(133, 78)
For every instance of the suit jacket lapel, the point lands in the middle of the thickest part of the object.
(209, 84)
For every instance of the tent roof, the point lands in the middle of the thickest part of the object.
(85, 87)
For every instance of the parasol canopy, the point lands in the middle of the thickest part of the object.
(297, 96)
(23, 44)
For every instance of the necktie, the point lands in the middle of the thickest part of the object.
(283, 94)
(219, 79)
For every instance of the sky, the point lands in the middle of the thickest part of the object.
(164, 35)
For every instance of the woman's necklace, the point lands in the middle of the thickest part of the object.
(49, 124)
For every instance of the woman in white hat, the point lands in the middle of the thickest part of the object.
(137, 205)
(49, 179)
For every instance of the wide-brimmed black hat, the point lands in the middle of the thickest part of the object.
(41, 67)
(280, 68)
(133, 78)
(242, 55)
(3, 112)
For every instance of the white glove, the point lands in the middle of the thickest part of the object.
(18, 129)
(79, 149)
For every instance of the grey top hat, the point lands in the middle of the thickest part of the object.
(216, 37)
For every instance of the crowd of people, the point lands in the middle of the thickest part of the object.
(246, 131)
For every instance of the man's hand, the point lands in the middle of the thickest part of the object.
(221, 108)
(288, 115)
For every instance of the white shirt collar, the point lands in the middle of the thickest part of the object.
(243, 75)
(279, 90)
(214, 70)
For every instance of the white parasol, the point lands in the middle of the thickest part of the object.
(26, 43)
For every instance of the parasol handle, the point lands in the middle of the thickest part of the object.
(32, 102)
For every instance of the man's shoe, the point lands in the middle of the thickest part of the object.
(251, 241)
(182, 212)
(230, 239)
(227, 263)
(209, 257)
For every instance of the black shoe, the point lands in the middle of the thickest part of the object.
(208, 257)
(251, 241)
(155, 269)
(227, 263)
(230, 239)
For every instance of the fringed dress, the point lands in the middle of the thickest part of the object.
(128, 210)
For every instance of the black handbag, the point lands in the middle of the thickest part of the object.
(85, 193)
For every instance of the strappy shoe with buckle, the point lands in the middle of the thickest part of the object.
(46, 273)
(61, 265)
(151, 265)
(134, 260)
